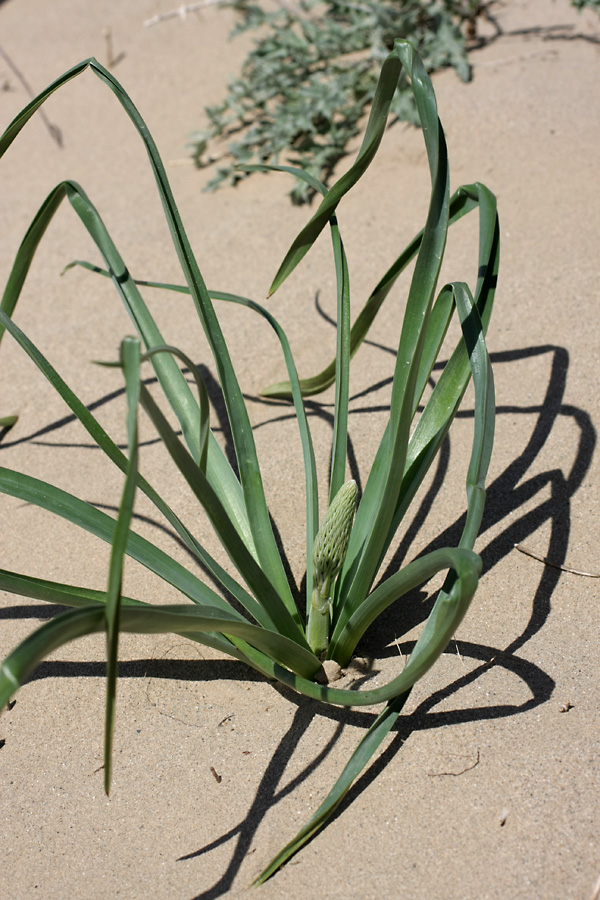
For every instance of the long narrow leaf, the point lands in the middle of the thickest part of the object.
(485, 412)
(150, 619)
(310, 469)
(373, 134)
(79, 597)
(19, 664)
(445, 399)
(462, 202)
(130, 354)
(342, 382)
(168, 373)
(345, 635)
(259, 521)
(108, 446)
(367, 747)
(378, 504)
(156, 619)
(343, 347)
(252, 485)
(269, 608)
(312, 506)
(92, 520)
(71, 595)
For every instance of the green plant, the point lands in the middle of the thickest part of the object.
(311, 61)
(263, 627)
(591, 4)
(305, 86)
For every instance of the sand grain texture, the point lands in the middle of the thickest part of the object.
(522, 820)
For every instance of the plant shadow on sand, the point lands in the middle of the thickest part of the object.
(506, 496)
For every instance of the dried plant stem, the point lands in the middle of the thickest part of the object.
(555, 565)
(54, 130)
(181, 12)
(511, 60)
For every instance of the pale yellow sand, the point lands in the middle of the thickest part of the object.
(522, 820)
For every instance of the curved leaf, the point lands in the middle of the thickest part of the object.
(108, 446)
(310, 474)
(70, 508)
(168, 373)
(19, 664)
(463, 201)
(367, 747)
(150, 619)
(373, 134)
(380, 497)
(79, 597)
(407, 579)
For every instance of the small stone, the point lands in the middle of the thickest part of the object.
(330, 671)
(359, 664)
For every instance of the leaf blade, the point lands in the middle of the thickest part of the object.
(130, 354)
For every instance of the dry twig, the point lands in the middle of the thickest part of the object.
(555, 565)
(181, 12)
(54, 130)
(456, 774)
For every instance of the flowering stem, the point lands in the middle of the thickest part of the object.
(319, 619)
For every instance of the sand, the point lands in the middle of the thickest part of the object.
(488, 788)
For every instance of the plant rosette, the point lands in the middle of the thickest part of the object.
(254, 614)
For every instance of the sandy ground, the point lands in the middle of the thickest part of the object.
(489, 786)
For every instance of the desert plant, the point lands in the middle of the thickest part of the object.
(591, 4)
(311, 75)
(262, 625)
(311, 60)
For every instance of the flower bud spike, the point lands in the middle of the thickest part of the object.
(329, 552)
